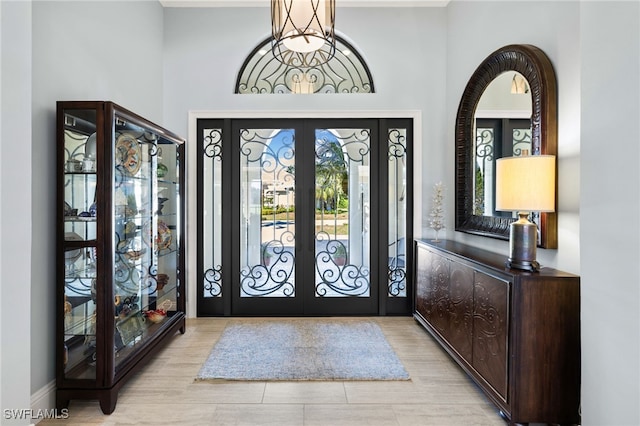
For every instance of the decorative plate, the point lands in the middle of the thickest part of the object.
(128, 153)
(71, 256)
(90, 147)
(164, 235)
(162, 239)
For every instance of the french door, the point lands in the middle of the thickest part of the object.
(303, 217)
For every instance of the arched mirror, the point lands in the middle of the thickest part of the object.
(508, 108)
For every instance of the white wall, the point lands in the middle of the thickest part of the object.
(475, 30)
(205, 48)
(15, 207)
(81, 51)
(594, 47)
(609, 210)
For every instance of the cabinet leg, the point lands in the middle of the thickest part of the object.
(62, 403)
(108, 402)
(508, 420)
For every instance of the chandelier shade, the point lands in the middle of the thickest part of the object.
(303, 31)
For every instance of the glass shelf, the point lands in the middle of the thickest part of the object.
(80, 219)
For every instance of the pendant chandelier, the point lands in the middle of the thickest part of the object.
(303, 32)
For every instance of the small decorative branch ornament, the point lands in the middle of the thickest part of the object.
(436, 217)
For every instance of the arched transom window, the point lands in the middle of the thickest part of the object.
(346, 72)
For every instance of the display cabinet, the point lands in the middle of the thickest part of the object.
(120, 284)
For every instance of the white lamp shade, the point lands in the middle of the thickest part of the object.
(526, 183)
(302, 24)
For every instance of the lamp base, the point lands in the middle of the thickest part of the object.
(532, 266)
(522, 244)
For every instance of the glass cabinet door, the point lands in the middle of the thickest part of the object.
(145, 202)
(80, 230)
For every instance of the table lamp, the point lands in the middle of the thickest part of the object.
(525, 184)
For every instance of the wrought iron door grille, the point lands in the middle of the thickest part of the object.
(346, 72)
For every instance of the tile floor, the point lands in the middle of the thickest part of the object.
(439, 392)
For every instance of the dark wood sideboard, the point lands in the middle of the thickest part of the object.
(516, 333)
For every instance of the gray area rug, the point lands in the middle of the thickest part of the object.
(303, 349)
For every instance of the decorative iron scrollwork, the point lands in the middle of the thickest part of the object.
(213, 282)
(335, 275)
(397, 282)
(397, 144)
(346, 72)
(521, 142)
(274, 274)
(213, 144)
(485, 144)
(396, 270)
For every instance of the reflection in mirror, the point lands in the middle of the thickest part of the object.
(509, 107)
(502, 129)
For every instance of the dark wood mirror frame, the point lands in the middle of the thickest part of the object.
(536, 67)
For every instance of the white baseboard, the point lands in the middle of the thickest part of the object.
(44, 398)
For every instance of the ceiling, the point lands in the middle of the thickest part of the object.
(339, 3)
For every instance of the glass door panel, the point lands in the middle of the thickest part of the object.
(134, 230)
(80, 233)
(146, 239)
(212, 213)
(397, 214)
(342, 203)
(267, 213)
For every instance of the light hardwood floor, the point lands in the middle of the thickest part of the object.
(439, 393)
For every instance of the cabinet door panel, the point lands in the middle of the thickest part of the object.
(432, 292)
(461, 310)
(440, 294)
(491, 330)
(78, 345)
(146, 183)
(423, 264)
